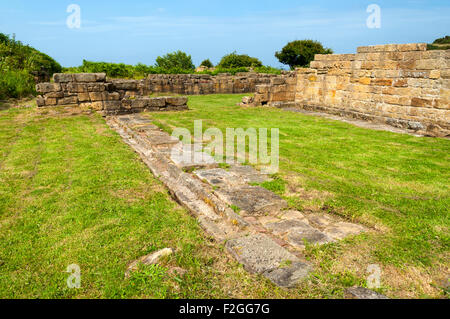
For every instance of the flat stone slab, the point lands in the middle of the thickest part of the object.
(158, 138)
(289, 276)
(248, 174)
(285, 226)
(362, 293)
(341, 230)
(260, 254)
(252, 200)
(186, 158)
(320, 220)
(298, 236)
(219, 177)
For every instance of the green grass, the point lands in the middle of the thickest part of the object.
(395, 184)
(71, 192)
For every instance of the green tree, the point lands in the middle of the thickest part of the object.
(176, 60)
(301, 52)
(234, 60)
(443, 40)
(207, 63)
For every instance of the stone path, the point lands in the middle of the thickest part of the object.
(253, 223)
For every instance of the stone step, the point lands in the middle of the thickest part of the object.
(261, 255)
(252, 200)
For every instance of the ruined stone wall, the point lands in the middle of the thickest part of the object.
(280, 92)
(91, 92)
(401, 85)
(195, 84)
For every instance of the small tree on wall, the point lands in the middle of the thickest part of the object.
(175, 60)
(300, 53)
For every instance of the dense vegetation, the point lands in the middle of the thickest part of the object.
(234, 60)
(176, 60)
(440, 44)
(207, 63)
(175, 63)
(301, 53)
(20, 64)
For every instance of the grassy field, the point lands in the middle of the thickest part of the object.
(396, 184)
(72, 192)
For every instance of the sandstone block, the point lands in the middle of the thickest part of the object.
(59, 94)
(176, 101)
(83, 97)
(96, 96)
(68, 100)
(62, 77)
(50, 101)
(76, 87)
(111, 105)
(40, 101)
(85, 77)
(48, 87)
(418, 102)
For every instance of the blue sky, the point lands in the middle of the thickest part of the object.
(138, 31)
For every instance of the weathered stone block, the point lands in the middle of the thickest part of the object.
(59, 94)
(111, 105)
(40, 101)
(176, 101)
(62, 77)
(68, 100)
(86, 77)
(50, 101)
(48, 87)
(96, 96)
(76, 87)
(83, 97)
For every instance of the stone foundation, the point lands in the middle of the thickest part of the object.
(91, 92)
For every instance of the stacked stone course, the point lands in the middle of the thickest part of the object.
(280, 92)
(195, 84)
(402, 85)
(92, 92)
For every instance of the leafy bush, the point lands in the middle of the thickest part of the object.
(176, 60)
(234, 60)
(207, 63)
(16, 84)
(440, 44)
(19, 65)
(444, 40)
(301, 53)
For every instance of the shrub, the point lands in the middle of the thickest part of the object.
(176, 60)
(16, 84)
(207, 63)
(444, 40)
(19, 64)
(301, 53)
(234, 60)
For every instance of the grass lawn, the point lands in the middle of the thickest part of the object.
(71, 192)
(396, 184)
